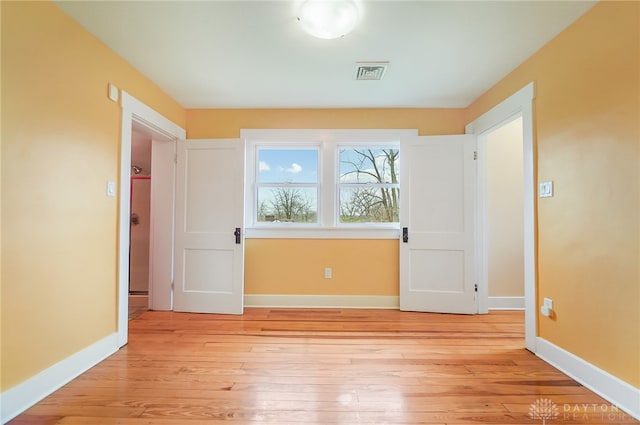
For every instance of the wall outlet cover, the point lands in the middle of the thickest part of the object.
(546, 189)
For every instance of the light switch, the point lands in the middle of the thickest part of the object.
(111, 188)
(546, 189)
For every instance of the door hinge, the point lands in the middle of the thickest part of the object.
(475, 155)
(475, 287)
(172, 285)
(175, 159)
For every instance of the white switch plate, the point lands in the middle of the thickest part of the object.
(113, 92)
(111, 188)
(546, 189)
(547, 307)
(328, 273)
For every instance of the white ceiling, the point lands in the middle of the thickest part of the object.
(254, 54)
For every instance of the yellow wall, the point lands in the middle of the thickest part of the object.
(296, 266)
(60, 145)
(1, 102)
(587, 117)
(226, 123)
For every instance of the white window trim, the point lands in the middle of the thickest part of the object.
(329, 141)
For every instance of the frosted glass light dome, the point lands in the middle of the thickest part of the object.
(328, 19)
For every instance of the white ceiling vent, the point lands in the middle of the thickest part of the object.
(371, 71)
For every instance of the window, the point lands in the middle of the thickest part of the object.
(369, 184)
(287, 185)
(323, 183)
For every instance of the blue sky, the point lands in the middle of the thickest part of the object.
(301, 166)
(288, 165)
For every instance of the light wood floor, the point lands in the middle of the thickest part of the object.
(138, 304)
(311, 366)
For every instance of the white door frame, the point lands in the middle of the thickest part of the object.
(518, 104)
(162, 129)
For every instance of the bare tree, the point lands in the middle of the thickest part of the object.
(263, 211)
(367, 204)
(290, 204)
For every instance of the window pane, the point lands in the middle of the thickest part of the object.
(369, 205)
(375, 165)
(287, 166)
(287, 204)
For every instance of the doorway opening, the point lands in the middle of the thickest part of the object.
(162, 135)
(140, 220)
(504, 216)
(520, 104)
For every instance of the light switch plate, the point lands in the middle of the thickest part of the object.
(546, 189)
(111, 188)
(113, 92)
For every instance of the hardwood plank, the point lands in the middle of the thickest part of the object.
(321, 366)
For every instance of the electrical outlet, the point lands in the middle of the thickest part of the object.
(547, 307)
(546, 189)
(328, 273)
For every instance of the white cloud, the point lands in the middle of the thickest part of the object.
(263, 166)
(294, 169)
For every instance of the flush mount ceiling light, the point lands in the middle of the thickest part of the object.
(328, 19)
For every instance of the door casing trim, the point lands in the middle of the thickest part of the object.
(133, 111)
(518, 104)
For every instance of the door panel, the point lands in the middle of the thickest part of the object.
(209, 207)
(437, 208)
(161, 254)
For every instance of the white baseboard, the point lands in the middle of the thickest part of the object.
(323, 301)
(619, 393)
(506, 303)
(19, 398)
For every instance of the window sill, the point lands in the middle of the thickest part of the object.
(322, 233)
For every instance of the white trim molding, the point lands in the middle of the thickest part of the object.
(134, 111)
(518, 104)
(21, 397)
(619, 393)
(323, 301)
(506, 303)
(322, 233)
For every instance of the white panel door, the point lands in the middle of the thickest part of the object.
(437, 221)
(209, 212)
(163, 169)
